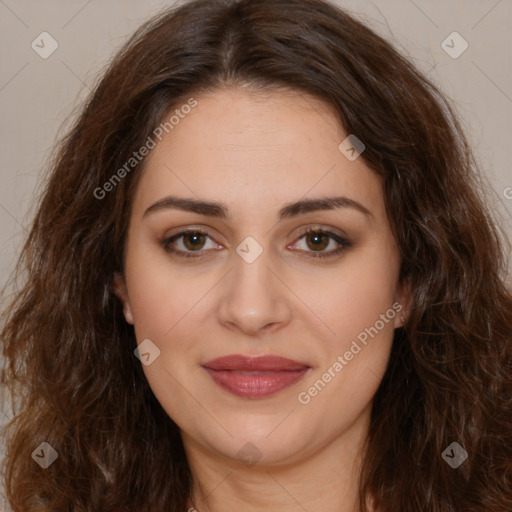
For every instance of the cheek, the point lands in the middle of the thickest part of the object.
(157, 309)
(351, 299)
(352, 360)
(161, 293)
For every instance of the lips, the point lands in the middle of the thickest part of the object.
(254, 377)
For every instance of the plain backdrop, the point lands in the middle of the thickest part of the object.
(38, 94)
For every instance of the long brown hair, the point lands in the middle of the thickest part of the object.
(69, 353)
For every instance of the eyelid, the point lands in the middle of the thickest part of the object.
(319, 228)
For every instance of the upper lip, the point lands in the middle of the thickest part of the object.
(251, 363)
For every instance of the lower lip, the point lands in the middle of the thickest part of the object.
(255, 384)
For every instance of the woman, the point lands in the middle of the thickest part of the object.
(261, 276)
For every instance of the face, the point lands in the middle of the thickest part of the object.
(230, 252)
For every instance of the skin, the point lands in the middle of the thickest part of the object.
(256, 152)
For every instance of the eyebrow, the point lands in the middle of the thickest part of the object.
(221, 211)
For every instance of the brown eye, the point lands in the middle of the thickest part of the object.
(192, 243)
(317, 240)
(314, 242)
(194, 240)
(317, 243)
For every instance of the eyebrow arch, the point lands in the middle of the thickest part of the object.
(221, 211)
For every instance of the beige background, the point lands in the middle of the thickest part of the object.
(37, 95)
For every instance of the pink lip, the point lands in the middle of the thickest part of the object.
(254, 377)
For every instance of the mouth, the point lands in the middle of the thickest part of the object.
(255, 377)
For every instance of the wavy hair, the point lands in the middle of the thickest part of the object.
(69, 363)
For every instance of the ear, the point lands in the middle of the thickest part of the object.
(402, 305)
(121, 292)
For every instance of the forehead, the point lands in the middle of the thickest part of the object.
(254, 152)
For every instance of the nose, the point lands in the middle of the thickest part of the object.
(254, 300)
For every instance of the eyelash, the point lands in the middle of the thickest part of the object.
(343, 242)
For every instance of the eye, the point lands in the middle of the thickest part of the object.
(193, 243)
(188, 242)
(316, 241)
